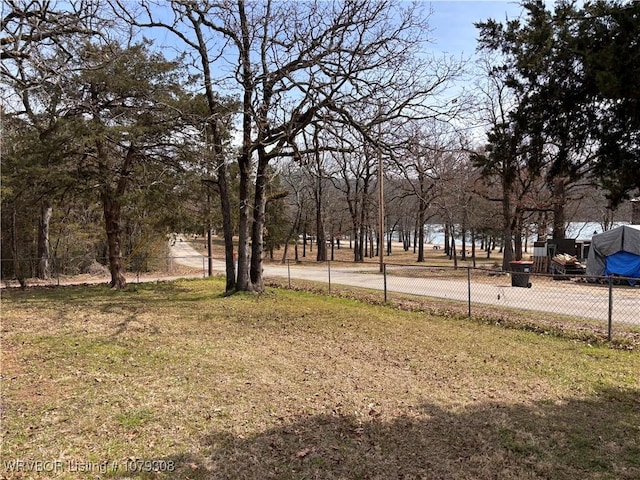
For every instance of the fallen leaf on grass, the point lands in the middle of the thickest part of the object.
(303, 453)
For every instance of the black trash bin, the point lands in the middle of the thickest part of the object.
(520, 271)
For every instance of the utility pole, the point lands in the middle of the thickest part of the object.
(381, 211)
(380, 195)
(208, 182)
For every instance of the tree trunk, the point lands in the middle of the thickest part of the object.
(360, 243)
(257, 232)
(227, 226)
(507, 254)
(17, 269)
(243, 281)
(371, 252)
(293, 231)
(44, 267)
(218, 149)
(321, 255)
(365, 239)
(463, 246)
(304, 240)
(447, 244)
(542, 226)
(517, 236)
(225, 203)
(353, 242)
(421, 213)
(473, 247)
(559, 200)
(111, 208)
(453, 247)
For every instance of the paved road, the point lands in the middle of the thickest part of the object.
(576, 300)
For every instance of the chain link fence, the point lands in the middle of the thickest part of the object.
(78, 270)
(607, 305)
(602, 299)
(598, 304)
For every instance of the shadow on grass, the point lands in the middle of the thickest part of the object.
(103, 296)
(594, 438)
(88, 293)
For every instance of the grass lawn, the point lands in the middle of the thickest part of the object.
(176, 378)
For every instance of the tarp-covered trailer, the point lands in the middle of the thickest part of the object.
(615, 252)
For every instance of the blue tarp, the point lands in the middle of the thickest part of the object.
(615, 252)
(624, 264)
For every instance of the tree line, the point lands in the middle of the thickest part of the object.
(268, 120)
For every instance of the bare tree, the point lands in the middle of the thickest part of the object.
(424, 162)
(291, 63)
(294, 181)
(355, 179)
(32, 30)
(502, 163)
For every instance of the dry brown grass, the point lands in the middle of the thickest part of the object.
(291, 385)
(591, 332)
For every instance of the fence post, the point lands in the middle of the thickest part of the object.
(289, 272)
(469, 288)
(329, 272)
(610, 326)
(384, 276)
